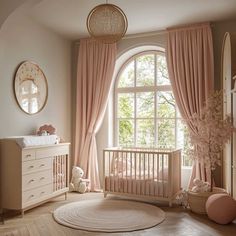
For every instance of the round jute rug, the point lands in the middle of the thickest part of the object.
(109, 215)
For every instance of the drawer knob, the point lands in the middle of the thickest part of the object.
(31, 181)
(28, 155)
(31, 196)
(42, 178)
(31, 167)
(42, 192)
(42, 165)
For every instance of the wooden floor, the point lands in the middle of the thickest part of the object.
(39, 222)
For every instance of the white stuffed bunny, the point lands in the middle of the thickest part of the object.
(78, 184)
(200, 186)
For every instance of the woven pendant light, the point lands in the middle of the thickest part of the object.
(107, 23)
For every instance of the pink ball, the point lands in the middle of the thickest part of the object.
(221, 208)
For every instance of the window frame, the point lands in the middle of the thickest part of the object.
(155, 88)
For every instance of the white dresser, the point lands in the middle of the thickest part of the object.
(32, 175)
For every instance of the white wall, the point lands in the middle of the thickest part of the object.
(7, 7)
(23, 39)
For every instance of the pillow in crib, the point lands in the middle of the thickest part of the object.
(119, 167)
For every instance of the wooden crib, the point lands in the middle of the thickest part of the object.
(142, 172)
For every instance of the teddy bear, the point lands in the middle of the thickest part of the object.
(200, 186)
(78, 184)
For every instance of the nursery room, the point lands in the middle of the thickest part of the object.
(118, 117)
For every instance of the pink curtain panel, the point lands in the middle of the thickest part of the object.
(96, 63)
(191, 71)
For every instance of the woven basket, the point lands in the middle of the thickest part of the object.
(197, 201)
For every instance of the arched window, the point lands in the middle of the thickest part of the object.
(145, 110)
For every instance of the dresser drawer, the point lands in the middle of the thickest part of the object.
(28, 155)
(36, 165)
(52, 151)
(37, 179)
(37, 193)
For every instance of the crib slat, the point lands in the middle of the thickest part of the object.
(158, 178)
(56, 172)
(139, 166)
(109, 172)
(153, 174)
(153, 166)
(126, 164)
(131, 172)
(126, 175)
(144, 172)
(135, 169)
(162, 170)
(122, 165)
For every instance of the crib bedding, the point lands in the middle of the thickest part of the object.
(142, 175)
(138, 186)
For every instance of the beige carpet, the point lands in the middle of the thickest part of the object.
(109, 215)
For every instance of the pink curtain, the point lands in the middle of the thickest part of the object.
(191, 71)
(96, 63)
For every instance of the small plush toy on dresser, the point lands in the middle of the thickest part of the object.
(78, 184)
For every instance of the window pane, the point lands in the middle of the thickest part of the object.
(162, 73)
(126, 133)
(145, 104)
(177, 112)
(165, 105)
(166, 133)
(183, 142)
(145, 133)
(125, 105)
(145, 70)
(127, 77)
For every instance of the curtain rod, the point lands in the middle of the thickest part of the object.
(141, 35)
(162, 32)
(190, 26)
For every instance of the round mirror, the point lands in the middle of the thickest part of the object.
(31, 89)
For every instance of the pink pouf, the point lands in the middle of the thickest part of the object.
(221, 208)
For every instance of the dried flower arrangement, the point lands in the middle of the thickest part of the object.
(213, 132)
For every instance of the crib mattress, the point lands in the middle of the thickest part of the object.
(151, 187)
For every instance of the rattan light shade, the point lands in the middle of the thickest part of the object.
(107, 23)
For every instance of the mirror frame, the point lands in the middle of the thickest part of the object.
(34, 68)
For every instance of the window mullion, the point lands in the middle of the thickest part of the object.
(176, 130)
(144, 89)
(155, 102)
(135, 103)
(116, 119)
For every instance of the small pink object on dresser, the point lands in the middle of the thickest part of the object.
(49, 129)
(221, 208)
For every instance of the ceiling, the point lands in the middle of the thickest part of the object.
(68, 17)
